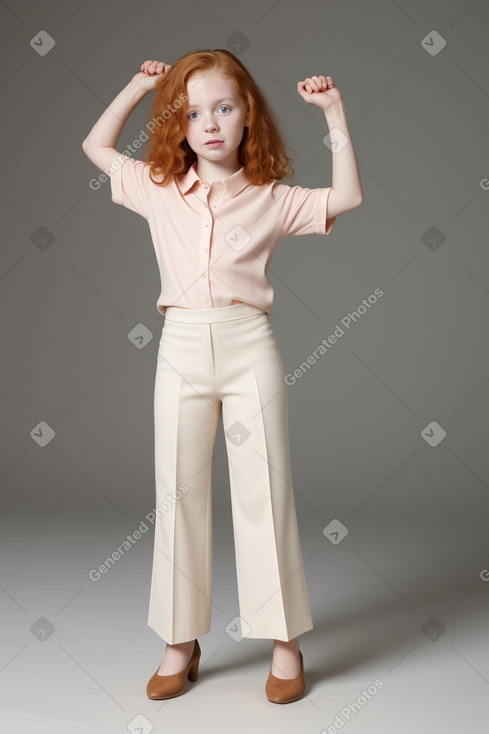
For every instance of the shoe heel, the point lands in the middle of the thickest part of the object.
(193, 673)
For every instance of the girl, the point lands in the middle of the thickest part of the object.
(209, 187)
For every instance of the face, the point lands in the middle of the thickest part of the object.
(216, 111)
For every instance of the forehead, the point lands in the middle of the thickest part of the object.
(202, 85)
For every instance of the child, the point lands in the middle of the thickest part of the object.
(209, 188)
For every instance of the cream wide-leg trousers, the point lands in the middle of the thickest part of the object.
(211, 360)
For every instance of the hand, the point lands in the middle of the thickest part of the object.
(320, 91)
(152, 72)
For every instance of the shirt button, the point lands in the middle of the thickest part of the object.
(204, 204)
(205, 249)
(203, 275)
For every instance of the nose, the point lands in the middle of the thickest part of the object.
(210, 123)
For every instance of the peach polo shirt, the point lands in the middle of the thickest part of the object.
(214, 242)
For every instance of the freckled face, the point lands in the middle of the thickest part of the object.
(216, 111)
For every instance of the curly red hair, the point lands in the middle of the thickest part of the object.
(261, 152)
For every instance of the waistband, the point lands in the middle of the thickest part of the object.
(211, 315)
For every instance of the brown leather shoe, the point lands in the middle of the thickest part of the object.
(285, 690)
(168, 686)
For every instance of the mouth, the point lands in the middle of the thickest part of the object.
(214, 142)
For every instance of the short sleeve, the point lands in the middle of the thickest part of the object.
(131, 185)
(302, 210)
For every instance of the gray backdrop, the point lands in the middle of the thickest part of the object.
(388, 428)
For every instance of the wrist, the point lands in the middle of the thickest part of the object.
(335, 112)
(136, 91)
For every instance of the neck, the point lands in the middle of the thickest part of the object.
(210, 171)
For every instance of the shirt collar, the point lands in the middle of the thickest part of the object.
(233, 184)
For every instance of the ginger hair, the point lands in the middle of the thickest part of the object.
(261, 152)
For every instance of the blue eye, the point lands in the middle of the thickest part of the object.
(224, 106)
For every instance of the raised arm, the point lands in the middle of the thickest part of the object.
(346, 192)
(99, 145)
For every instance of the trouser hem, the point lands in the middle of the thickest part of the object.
(183, 635)
(271, 631)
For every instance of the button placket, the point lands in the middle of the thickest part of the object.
(204, 253)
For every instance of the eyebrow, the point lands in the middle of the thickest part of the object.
(224, 99)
